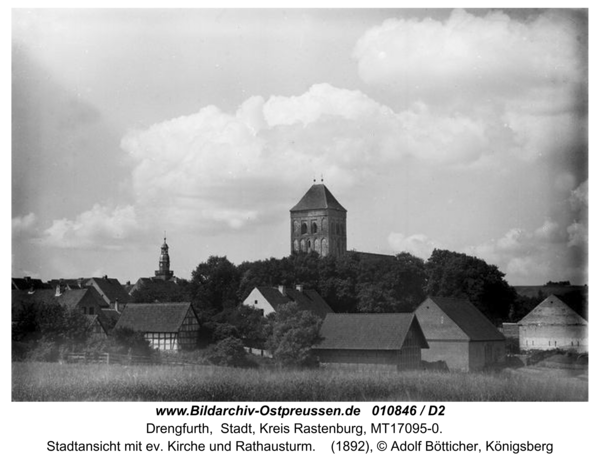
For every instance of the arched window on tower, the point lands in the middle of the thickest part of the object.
(313, 227)
(303, 246)
(304, 228)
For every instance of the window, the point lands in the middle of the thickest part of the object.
(313, 227)
(304, 228)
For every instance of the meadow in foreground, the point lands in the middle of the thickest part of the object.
(37, 381)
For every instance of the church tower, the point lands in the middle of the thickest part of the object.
(318, 223)
(164, 263)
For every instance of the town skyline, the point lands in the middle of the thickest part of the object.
(463, 130)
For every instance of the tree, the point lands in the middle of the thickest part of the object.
(215, 282)
(49, 328)
(452, 274)
(161, 291)
(229, 352)
(294, 332)
(249, 324)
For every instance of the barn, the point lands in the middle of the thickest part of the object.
(459, 334)
(382, 341)
(168, 326)
(553, 325)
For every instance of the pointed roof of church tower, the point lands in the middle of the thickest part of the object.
(318, 197)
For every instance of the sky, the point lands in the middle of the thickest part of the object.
(464, 130)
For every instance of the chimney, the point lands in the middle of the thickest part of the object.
(282, 290)
(299, 288)
(60, 288)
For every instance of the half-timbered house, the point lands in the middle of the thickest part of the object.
(168, 326)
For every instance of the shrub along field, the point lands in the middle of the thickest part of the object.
(37, 381)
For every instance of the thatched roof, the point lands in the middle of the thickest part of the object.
(552, 311)
(369, 331)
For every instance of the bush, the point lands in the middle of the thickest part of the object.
(294, 332)
(229, 352)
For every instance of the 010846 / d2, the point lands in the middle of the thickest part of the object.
(407, 410)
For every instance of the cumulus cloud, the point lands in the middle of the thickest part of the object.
(24, 225)
(488, 55)
(214, 171)
(100, 227)
(522, 81)
(418, 245)
(542, 254)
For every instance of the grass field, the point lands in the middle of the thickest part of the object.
(32, 381)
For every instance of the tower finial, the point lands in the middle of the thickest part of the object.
(321, 178)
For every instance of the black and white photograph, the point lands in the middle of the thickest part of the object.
(299, 205)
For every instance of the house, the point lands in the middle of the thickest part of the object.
(167, 326)
(96, 327)
(390, 341)
(157, 288)
(267, 299)
(459, 334)
(553, 325)
(111, 290)
(28, 284)
(86, 300)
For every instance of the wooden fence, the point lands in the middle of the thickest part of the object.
(123, 359)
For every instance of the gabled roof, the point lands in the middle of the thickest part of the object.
(369, 331)
(307, 299)
(110, 289)
(552, 311)
(92, 319)
(27, 283)
(154, 318)
(154, 283)
(318, 197)
(70, 298)
(71, 283)
(468, 318)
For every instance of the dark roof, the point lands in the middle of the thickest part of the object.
(154, 318)
(109, 317)
(307, 299)
(154, 283)
(28, 283)
(318, 197)
(372, 257)
(110, 288)
(368, 331)
(72, 283)
(70, 298)
(552, 311)
(469, 319)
